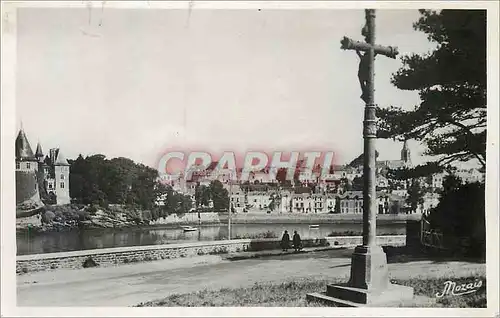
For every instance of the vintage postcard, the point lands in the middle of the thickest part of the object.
(267, 158)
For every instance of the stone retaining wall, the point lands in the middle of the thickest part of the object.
(352, 241)
(205, 217)
(313, 218)
(125, 255)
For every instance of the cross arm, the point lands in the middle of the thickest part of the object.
(349, 44)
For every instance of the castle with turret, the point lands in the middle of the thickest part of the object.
(39, 175)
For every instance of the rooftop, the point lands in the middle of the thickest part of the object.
(23, 148)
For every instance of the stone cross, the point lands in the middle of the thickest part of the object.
(369, 281)
(366, 79)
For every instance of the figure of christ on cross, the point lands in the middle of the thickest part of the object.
(364, 74)
(364, 62)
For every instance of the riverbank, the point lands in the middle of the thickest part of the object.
(68, 217)
(106, 257)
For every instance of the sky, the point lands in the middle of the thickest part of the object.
(135, 83)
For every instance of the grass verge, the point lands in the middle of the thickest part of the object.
(292, 294)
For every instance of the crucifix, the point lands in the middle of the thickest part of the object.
(366, 79)
(369, 280)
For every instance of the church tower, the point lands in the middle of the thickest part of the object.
(405, 154)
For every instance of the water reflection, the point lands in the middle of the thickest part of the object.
(106, 238)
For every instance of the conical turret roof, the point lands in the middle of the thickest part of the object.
(23, 148)
(39, 151)
(60, 159)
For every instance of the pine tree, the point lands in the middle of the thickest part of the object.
(451, 81)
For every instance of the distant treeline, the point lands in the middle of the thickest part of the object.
(97, 180)
(101, 181)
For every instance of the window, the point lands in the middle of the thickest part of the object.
(50, 185)
(62, 176)
(28, 165)
(18, 165)
(62, 185)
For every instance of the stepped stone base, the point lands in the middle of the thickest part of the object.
(368, 285)
(346, 296)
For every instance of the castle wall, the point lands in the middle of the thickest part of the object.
(27, 192)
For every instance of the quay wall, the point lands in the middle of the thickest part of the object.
(276, 217)
(124, 255)
(310, 218)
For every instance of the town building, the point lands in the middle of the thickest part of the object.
(351, 202)
(301, 202)
(319, 203)
(431, 200)
(470, 175)
(436, 180)
(330, 201)
(238, 199)
(382, 183)
(286, 201)
(258, 200)
(261, 177)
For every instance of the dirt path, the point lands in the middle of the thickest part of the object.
(128, 285)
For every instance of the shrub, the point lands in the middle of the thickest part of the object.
(268, 234)
(345, 233)
(92, 209)
(461, 214)
(89, 262)
(48, 217)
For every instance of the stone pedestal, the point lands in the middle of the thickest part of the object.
(368, 285)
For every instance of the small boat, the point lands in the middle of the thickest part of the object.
(188, 228)
(314, 226)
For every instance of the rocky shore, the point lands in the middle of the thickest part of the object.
(68, 217)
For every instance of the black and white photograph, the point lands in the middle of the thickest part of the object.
(313, 158)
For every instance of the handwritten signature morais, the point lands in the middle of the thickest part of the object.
(451, 288)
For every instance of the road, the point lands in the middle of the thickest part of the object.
(128, 285)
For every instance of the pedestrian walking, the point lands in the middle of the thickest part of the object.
(285, 241)
(297, 242)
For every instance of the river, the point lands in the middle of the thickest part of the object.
(105, 238)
